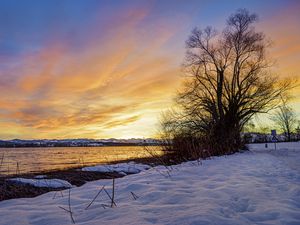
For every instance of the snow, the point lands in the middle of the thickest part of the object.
(50, 183)
(40, 176)
(122, 168)
(279, 146)
(256, 187)
(287, 153)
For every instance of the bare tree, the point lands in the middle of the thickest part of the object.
(227, 83)
(298, 131)
(285, 118)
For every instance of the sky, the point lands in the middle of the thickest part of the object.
(103, 69)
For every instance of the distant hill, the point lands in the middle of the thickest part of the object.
(78, 142)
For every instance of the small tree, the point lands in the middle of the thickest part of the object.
(298, 131)
(285, 118)
(227, 83)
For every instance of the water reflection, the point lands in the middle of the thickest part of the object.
(23, 160)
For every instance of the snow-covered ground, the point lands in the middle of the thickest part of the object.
(286, 152)
(123, 168)
(50, 183)
(257, 187)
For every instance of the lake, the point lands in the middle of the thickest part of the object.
(24, 160)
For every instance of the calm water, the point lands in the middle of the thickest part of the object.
(22, 160)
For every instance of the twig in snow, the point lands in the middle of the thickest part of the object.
(113, 202)
(61, 194)
(113, 194)
(161, 173)
(71, 213)
(135, 197)
(105, 206)
(95, 197)
(64, 209)
(70, 209)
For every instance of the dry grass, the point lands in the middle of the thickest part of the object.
(11, 190)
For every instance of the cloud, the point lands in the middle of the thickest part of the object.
(103, 85)
(121, 122)
(284, 31)
(109, 73)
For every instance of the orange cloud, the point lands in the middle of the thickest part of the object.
(102, 91)
(116, 83)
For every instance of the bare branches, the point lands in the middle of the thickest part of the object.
(229, 71)
(286, 119)
(228, 83)
(241, 20)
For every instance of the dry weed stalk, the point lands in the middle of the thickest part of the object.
(2, 159)
(96, 196)
(135, 197)
(61, 194)
(70, 209)
(112, 200)
(158, 158)
(113, 194)
(111, 197)
(17, 169)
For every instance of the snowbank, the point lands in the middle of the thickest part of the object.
(127, 168)
(256, 187)
(50, 183)
(278, 145)
(40, 176)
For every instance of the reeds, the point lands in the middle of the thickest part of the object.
(1, 161)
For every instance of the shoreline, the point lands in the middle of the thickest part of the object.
(75, 176)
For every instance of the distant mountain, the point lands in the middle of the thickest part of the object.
(77, 142)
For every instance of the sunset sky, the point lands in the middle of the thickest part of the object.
(101, 69)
